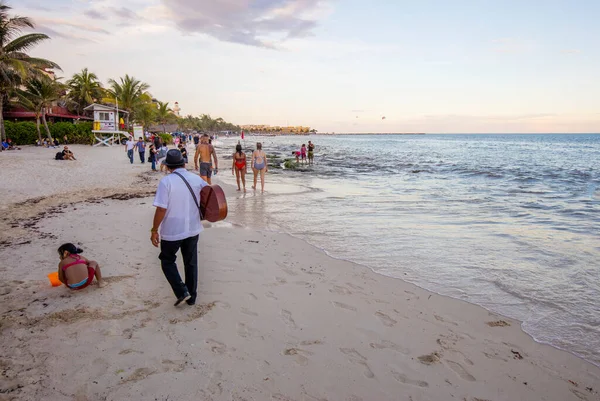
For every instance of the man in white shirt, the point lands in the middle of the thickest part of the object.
(178, 216)
(129, 145)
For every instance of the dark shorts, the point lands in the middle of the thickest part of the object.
(205, 170)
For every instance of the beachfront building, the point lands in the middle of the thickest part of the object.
(108, 121)
(290, 130)
(54, 114)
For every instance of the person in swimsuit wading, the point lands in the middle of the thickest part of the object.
(259, 165)
(239, 166)
(207, 154)
(75, 271)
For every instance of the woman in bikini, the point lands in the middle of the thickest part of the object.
(259, 165)
(240, 167)
(75, 271)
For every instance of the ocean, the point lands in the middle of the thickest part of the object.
(508, 222)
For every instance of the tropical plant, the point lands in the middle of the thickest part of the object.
(128, 93)
(145, 114)
(84, 89)
(38, 95)
(15, 64)
(163, 113)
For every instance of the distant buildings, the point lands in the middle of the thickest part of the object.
(277, 129)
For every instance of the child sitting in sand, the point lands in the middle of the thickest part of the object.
(75, 271)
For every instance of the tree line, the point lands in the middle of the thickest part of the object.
(25, 81)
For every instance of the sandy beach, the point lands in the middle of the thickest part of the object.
(277, 319)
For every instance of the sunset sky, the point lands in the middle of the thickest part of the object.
(436, 66)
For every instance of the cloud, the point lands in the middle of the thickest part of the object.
(123, 12)
(59, 22)
(52, 33)
(260, 23)
(94, 14)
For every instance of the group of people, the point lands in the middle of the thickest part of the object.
(301, 156)
(8, 145)
(259, 164)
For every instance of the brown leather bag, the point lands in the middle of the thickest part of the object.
(213, 204)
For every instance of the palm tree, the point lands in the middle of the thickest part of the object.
(15, 63)
(128, 93)
(84, 89)
(39, 94)
(163, 113)
(146, 114)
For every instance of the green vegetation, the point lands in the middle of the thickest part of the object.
(16, 66)
(25, 133)
(290, 164)
(27, 82)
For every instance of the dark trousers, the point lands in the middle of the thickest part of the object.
(168, 255)
(142, 154)
(130, 155)
(153, 160)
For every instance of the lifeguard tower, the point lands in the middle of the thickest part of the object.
(106, 124)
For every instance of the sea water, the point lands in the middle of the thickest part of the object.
(508, 222)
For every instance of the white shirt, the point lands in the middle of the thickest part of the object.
(182, 218)
(130, 144)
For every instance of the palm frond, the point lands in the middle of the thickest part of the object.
(25, 42)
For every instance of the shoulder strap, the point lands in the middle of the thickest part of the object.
(191, 191)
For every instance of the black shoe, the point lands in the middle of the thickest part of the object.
(185, 297)
(190, 302)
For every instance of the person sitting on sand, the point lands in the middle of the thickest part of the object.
(67, 154)
(5, 146)
(75, 271)
(239, 166)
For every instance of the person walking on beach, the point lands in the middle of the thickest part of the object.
(129, 145)
(177, 216)
(239, 166)
(311, 153)
(206, 152)
(141, 148)
(303, 153)
(152, 157)
(259, 165)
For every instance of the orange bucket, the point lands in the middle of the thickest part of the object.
(53, 277)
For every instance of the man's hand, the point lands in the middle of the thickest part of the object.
(155, 238)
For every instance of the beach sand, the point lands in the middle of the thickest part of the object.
(276, 319)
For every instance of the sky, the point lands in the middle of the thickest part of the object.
(433, 66)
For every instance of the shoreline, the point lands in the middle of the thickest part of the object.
(277, 320)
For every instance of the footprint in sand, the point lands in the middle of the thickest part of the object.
(271, 296)
(460, 371)
(385, 319)
(390, 345)
(299, 355)
(216, 346)
(215, 387)
(244, 330)
(338, 289)
(138, 375)
(248, 312)
(286, 316)
(253, 297)
(343, 306)
(403, 379)
(356, 358)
